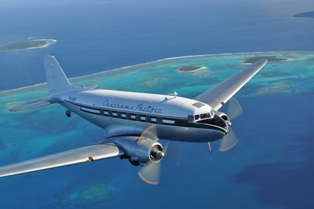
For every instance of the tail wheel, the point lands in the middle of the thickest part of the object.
(68, 113)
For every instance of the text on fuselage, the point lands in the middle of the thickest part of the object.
(139, 107)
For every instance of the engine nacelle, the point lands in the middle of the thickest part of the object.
(222, 115)
(141, 151)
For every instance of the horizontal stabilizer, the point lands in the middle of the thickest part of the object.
(89, 86)
(75, 156)
(37, 103)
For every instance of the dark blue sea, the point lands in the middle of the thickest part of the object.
(270, 167)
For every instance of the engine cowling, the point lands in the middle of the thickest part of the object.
(140, 150)
(224, 116)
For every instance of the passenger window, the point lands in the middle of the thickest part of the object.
(143, 118)
(153, 120)
(197, 117)
(133, 117)
(166, 121)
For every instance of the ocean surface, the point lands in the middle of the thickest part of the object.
(270, 167)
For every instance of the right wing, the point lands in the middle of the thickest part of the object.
(75, 156)
(217, 96)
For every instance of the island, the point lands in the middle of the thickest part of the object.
(269, 59)
(279, 86)
(86, 195)
(33, 44)
(190, 69)
(305, 15)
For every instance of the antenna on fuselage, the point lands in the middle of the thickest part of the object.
(175, 94)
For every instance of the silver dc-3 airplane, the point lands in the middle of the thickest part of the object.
(135, 121)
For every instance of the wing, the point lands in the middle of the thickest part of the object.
(217, 96)
(75, 156)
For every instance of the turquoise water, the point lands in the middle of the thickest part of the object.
(271, 163)
(270, 167)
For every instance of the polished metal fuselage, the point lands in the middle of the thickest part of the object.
(183, 130)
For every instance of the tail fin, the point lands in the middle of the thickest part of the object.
(56, 79)
(57, 82)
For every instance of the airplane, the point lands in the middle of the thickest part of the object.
(135, 122)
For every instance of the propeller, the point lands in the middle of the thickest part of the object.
(234, 109)
(230, 140)
(149, 133)
(150, 173)
(174, 151)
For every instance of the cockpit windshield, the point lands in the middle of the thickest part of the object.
(207, 115)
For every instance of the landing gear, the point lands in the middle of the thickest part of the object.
(68, 113)
(210, 148)
(124, 156)
(135, 163)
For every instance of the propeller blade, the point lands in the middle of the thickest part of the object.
(229, 141)
(150, 133)
(165, 148)
(150, 174)
(234, 109)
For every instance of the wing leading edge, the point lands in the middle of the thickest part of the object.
(75, 156)
(217, 96)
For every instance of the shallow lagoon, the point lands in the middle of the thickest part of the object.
(270, 166)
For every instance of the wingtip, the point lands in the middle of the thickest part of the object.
(265, 60)
(260, 62)
(15, 109)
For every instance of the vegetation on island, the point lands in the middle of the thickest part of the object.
(190, 69)
(24, 45)
(269, 59)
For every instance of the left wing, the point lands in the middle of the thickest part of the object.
(217, 96)
(75, 156)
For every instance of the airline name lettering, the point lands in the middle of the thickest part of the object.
(139, 107)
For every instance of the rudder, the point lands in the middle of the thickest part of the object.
(56, 79)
